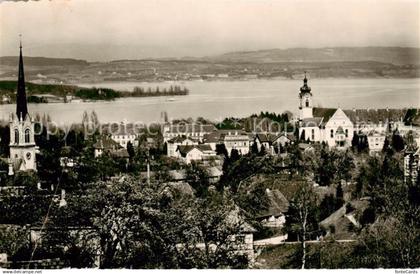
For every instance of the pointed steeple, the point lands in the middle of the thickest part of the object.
(21, 105)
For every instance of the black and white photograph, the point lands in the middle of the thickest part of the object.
(209, 134)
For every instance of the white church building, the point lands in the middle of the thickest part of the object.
(331, 126)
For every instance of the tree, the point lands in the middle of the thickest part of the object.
(329, 205)
(302, 136)
(302, 217)
(339, 192)
(221, 150)
(234, 155)
(262, 151)
(198, 178)
(345, 166)
(254, 148)
(355, 141)
(130, 150)
(13, 239)
(397, 141)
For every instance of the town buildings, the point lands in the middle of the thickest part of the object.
(122, 133)
(194, 131)
(231, 139)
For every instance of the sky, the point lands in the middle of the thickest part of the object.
(101, 30)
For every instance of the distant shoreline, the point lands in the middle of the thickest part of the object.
(57, 93)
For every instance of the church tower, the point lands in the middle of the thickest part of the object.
(305, 101)
(22, 130)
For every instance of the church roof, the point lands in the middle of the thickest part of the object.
(324, 113)
(358, 116)
(375, 115)
(311, 122)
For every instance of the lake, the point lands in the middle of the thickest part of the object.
(218, 99)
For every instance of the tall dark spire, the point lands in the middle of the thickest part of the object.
(21, 106)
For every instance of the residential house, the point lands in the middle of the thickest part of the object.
(376, 141)
(107, 145)
(341, 224)
(306, 148)
(232, 139)
(191, 153)
(173, 144)
(123, 133)
(277, 206)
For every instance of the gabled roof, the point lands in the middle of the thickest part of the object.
(312, 122)
(106, 143)
(342, 220)
(120, 153)
(213, 137)
(376, 116)
(266, 137)
(324, 113)
(305, 146)
(277, 204)
(179, 139)
(375, 133)
(184, 150)
(191, 128)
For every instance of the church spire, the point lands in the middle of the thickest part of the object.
(21, 106)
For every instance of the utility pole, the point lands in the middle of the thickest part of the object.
(148, 165)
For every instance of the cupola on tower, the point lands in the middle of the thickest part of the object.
(305, 101)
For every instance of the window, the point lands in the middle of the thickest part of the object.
(347, 133)
(27, 136)
(307, 103)
(332, 133)
(313, 134)
(16, 136)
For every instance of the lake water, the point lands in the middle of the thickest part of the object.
(218, 99)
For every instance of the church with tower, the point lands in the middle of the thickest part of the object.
(328, 125)
(22, 130)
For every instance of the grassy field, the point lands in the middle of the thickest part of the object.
(287, 256)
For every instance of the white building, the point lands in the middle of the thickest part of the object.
(123, 133)
(376, 140)
(195, 153)
(231, 138)
(331, 126)
(194, 131)
(173, 144)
